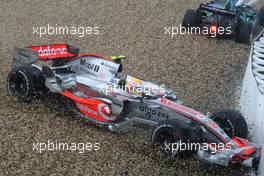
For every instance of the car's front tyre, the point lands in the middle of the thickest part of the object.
(232, 122)
(167, 136)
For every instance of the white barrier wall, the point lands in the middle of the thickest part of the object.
(252, 97)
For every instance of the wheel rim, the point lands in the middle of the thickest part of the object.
(226, 125)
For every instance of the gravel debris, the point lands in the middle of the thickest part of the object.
(204, 72)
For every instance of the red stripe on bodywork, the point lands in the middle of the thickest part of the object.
(181, 109)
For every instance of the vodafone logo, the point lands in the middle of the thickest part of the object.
(51, 51)
(87, 109)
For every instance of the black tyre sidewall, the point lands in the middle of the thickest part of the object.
(162, 128)
(173, 129)
(190, 18)
(261, 16)
(244, 32)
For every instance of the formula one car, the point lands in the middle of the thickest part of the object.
(95, 88)
(221, 18)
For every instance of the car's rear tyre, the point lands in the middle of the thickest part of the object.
(232, 122)
(244, 32)
(190, 18)
(165, 136)
(261, 16)
(25, 83)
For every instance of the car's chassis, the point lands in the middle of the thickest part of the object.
(93, 87)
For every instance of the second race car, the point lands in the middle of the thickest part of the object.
(224, 19)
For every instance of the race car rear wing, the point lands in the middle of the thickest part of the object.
(55, 51)
(23, 56)
(30, 55)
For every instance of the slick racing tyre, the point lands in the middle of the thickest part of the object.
(25, 83)
(190, 18)
(167, 135)
(232, 122)
(244, 32)
(261, 16)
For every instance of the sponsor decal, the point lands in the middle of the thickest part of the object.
(52, 51)
(112, 65)
(87, 109)
(153, 112)
(182, 108)
(90, 65)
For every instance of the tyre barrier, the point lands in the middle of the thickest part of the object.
(252, 95)
(257, 55)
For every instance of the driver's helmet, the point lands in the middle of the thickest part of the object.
(134, 86)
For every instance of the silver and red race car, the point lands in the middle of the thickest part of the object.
(95, 88)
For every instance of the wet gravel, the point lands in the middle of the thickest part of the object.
(205, 74)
